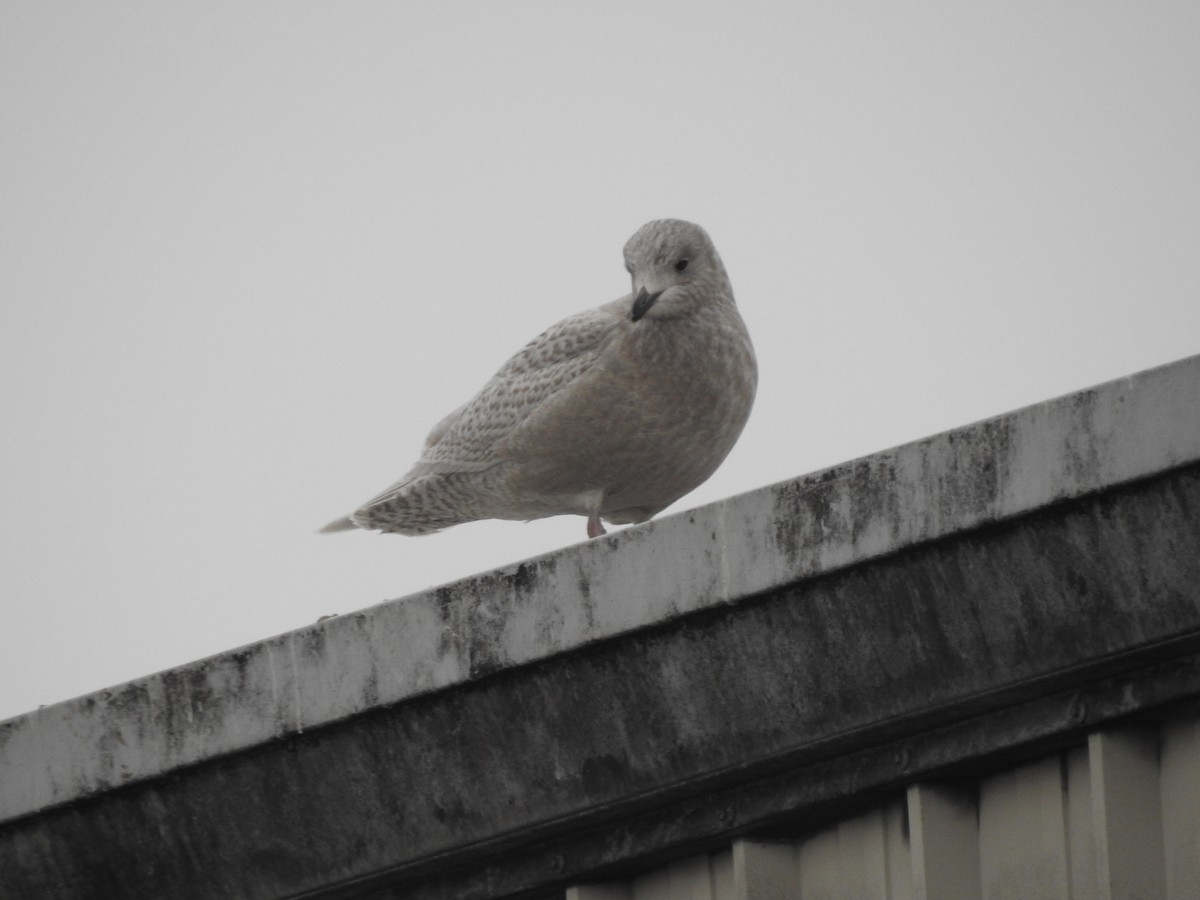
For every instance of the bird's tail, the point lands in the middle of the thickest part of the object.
(425, 504)
(343, 524)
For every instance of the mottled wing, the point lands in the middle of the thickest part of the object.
(466, 440)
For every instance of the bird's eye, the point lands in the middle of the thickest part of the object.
(681, 265)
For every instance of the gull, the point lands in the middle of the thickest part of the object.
(614, 413)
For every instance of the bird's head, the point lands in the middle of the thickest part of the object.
(674, 268)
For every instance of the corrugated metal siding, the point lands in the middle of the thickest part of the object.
(1117, 819)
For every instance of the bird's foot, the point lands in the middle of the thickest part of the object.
(595, 529)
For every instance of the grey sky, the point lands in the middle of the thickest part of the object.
(251, 253)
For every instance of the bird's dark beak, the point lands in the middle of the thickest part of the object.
(643, 302)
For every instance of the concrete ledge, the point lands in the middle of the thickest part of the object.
(762, 718)
(718, 555)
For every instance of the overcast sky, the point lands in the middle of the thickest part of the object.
(251, 252)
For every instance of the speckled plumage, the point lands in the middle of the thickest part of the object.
(615, 412)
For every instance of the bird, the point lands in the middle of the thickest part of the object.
(614, 413)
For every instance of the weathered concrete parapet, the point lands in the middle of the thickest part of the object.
(817, 523)
(712, 559)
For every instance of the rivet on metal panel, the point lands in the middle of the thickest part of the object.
(727, 815)
(1077, 713)
(903, 758)
(558, 863)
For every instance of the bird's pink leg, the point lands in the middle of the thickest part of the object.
(595, 529)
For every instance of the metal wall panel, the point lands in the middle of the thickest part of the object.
(1115, 819)
(1023, 833)
(765, 871)
(1180, 775)
(1081, 836)
(943, 823)
(863, 858)
(1127, 814)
